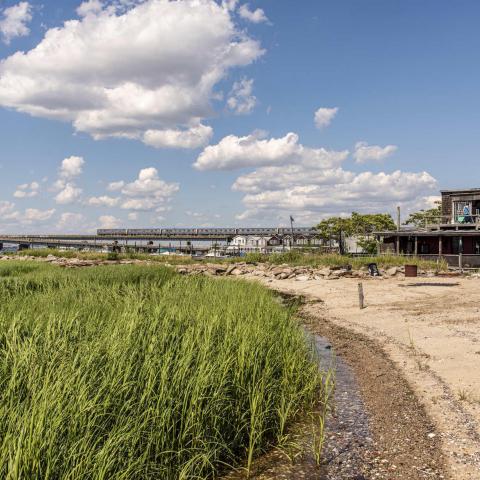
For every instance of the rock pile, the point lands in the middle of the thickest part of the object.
(284, 272)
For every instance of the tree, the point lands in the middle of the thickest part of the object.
(421, 218)
(357, 225)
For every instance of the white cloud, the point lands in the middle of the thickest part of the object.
(108, 221)
(254, 16)
(148, 192)
(252, 151)
(89, 7)
(365, 192)
(309, 183)
(34, 215)
(153, 67)
(241, 101)
(114, 186)
(194, 137)
(7, 209)
(71, 167)
(133, 216)
(69, 194)
(71, 221)
(324, 116)
(27, 190)
(65, 185)
(14, 21)
(230, 4)
(103, 201)
(365, 152)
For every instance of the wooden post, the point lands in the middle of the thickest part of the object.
(416, 246)
(398, 218)
(460, 261)
(440, 246)
(398, 244)
(361, 297)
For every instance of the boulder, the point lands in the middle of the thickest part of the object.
(302, 278)
(392, 271)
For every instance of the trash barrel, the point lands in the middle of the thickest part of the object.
(411, 270)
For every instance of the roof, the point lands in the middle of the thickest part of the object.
(463, 190)
(430, 233)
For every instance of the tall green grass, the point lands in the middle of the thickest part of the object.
(129, 372)
(296, 258)
(293, 258)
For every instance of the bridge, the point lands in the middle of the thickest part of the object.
(116, 239)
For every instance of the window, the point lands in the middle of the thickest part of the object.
(459, 212)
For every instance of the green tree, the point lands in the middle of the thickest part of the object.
(419, 219)
(359, 225)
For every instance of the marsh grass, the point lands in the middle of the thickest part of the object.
(294, 258)
(135, 372)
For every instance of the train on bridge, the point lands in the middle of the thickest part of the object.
(133, 232)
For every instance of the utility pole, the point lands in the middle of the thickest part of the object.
(398, 218)
(291, 228)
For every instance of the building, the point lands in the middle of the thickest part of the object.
(454, 236)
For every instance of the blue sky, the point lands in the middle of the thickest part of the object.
(205, 112)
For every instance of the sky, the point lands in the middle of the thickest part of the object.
(160, 113)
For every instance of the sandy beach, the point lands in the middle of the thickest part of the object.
(429, 328)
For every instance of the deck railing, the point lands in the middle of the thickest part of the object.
(457, 219)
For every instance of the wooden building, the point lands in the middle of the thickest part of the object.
(454, 235)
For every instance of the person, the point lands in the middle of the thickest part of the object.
(467, 218)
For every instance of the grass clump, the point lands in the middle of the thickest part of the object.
(135, 372)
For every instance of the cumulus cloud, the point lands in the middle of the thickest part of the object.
(152, 67)
(364, 192)
(71, 167)
(114, 186)
(15, 20)
(69, 194)
(89, 7)
(65, 185)
(310, 183)
(324, 116)
(365, 152)
(194, 137)
(103, 201)
(241, 101)
(252, 151)
(7, 210)
(27, 190)
(108, 221)
(71, 221)
(34, 215)
(148, 192)
(254, 16)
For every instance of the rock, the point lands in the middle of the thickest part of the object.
(236, 272)
(324, 272)
(302, 278)
(230, 269)
(282, 276)
(392, 271)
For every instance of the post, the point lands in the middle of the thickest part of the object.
(398, 219)
(460, 261)
(440, 246)
(398, 244)
(361, 297)
(291, 228)
(416, 245)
